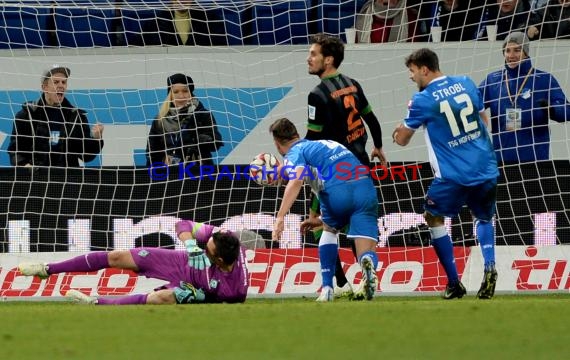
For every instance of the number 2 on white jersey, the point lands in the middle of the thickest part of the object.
(468, 126)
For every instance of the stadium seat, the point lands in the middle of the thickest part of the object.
(282, 23)
(238, 21)
(135, 23)
(80, 27)
(338, 15)
(22, 27)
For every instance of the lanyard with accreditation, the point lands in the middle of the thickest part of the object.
(513, 114)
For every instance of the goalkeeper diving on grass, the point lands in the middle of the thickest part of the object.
(215, 274)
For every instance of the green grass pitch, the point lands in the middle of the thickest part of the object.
(507, 327)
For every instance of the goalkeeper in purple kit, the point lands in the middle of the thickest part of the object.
(216, 274)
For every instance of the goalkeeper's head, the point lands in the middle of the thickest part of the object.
(223, 249)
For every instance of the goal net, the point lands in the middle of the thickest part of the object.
(247, 60)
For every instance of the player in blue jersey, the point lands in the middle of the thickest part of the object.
(347, 196)
(450, 110)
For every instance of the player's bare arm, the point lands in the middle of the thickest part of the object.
(313, 221)
(379, 153)
(485, 118)
(402, 135)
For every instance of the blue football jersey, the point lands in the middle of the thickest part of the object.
(325, 162)
(459, 145)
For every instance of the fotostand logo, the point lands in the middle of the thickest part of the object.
(343, 171)
(160, 171)
(346, 171)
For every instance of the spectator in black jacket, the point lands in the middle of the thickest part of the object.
(51, 131)
(185, 25)
(551, 21)
(508, 16)
(184, 129)
(459, 20)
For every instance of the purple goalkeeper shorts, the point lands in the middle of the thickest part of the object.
(163, 264)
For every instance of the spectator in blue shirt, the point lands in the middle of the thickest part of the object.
(522, 100)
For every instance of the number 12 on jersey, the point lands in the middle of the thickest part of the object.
(466, 110)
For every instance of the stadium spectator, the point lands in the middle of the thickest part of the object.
(507, 15)
(459, 20)
(537, 4)
(451, 111)
(51, 131)
(380, 21)
(185, 23)
(339, 118)
(190, 274)
(350, 201)
(551, 21)
(522, 100)
(184, 129)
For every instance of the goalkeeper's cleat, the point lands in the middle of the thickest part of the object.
(369, 278)
(455, 291)
(78, 296)
(34, 269)
(487, 289)
(345, 291)
(327, 295)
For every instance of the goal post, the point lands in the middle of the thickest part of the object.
(256, 76)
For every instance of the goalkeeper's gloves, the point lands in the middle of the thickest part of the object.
(197, 259)
(186, 293)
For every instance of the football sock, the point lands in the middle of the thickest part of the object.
(339, 273)
(486, 237)
(90, 262)
(373, 256)
(341, 279)
(124, 300)
(328, 253)
(444, 250)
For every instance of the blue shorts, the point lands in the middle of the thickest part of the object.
(354, 203)
(445, 198)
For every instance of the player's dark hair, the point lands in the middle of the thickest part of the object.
(330, 46)
(423, 57)
(283, 130)
(227, 246)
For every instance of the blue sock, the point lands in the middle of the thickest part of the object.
(373, 256)
(444, 250)
(327, 257)
(486, 236)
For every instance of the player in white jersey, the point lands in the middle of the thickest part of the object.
(450, 109)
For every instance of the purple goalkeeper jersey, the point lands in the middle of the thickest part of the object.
(220, 286)
(172, 266)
